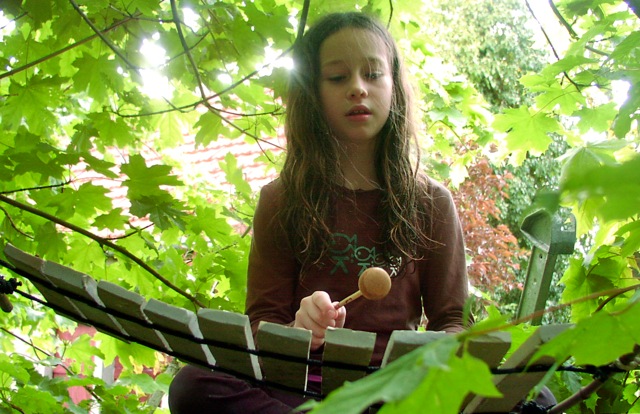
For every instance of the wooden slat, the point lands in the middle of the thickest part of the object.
(33, 266)
(83, 286)
(403, 342)
(345, 346)
(129, 303)
(491, 347)
(294, 342)
(230, 328)
(515, 387)
(172, 318)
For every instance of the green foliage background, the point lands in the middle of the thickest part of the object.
(73, 110)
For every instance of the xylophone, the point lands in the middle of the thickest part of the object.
(279, 356)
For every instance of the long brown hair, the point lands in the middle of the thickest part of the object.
(311, 171)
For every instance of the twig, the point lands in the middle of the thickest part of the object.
(68, 370)
(544, 32)
(206, 99)
(553, 49)
(15, 19)
(100, 34)
(61, 51)
(103, 242)
(551, 309)
(39, 187)
(562, 20)
(30, 344)
(127, 235)
(303, 20)
(13, 224)
(187, 51)
(615, 295)
(581, 395)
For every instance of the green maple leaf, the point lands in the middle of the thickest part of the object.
(113, 220)
(129, 354)
(564, 65)
(632, 242)
(111, 131)
(31, 104)
(617, 186)
(81, 203)
(590, 342)
(36, 400)
(39, 158)
(51, 243)
(527, 130)
(591, 156)
(14, 370)
(85, 255)
(430, 378)
(163, 211)
(567, 99)
(436, 393)
(146, 7)
(209, 221)
(234, 174)
(171, 130)
(146, 195)
(81, 139)
(100, 166)
(626, 48)
(91, 75)
(39, 11)
(598, 119)
(146, 181)
(209, 128)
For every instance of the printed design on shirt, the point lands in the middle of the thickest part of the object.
(345, 250)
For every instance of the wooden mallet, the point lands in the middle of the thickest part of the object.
(374, 284)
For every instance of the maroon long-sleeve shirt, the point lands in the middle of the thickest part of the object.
(436, 284)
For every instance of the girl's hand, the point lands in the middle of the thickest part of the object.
(317, 313)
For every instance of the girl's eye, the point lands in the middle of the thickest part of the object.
(374, 75)
(336, 78)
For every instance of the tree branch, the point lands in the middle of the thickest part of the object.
(303, 20)
(61, 51)
(187, 51)
(100, 34)
(581, 395)
(103, 242)
(565, 24)
(40, 187)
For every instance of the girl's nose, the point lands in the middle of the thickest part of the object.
(357, 90)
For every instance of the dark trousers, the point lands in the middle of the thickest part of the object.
(197, 390)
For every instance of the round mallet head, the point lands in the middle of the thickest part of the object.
(374, 283)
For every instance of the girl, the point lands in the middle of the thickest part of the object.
(349, 197)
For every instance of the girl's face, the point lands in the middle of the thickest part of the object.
(356, 84)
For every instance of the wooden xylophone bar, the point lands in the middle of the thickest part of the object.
(280, 355)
